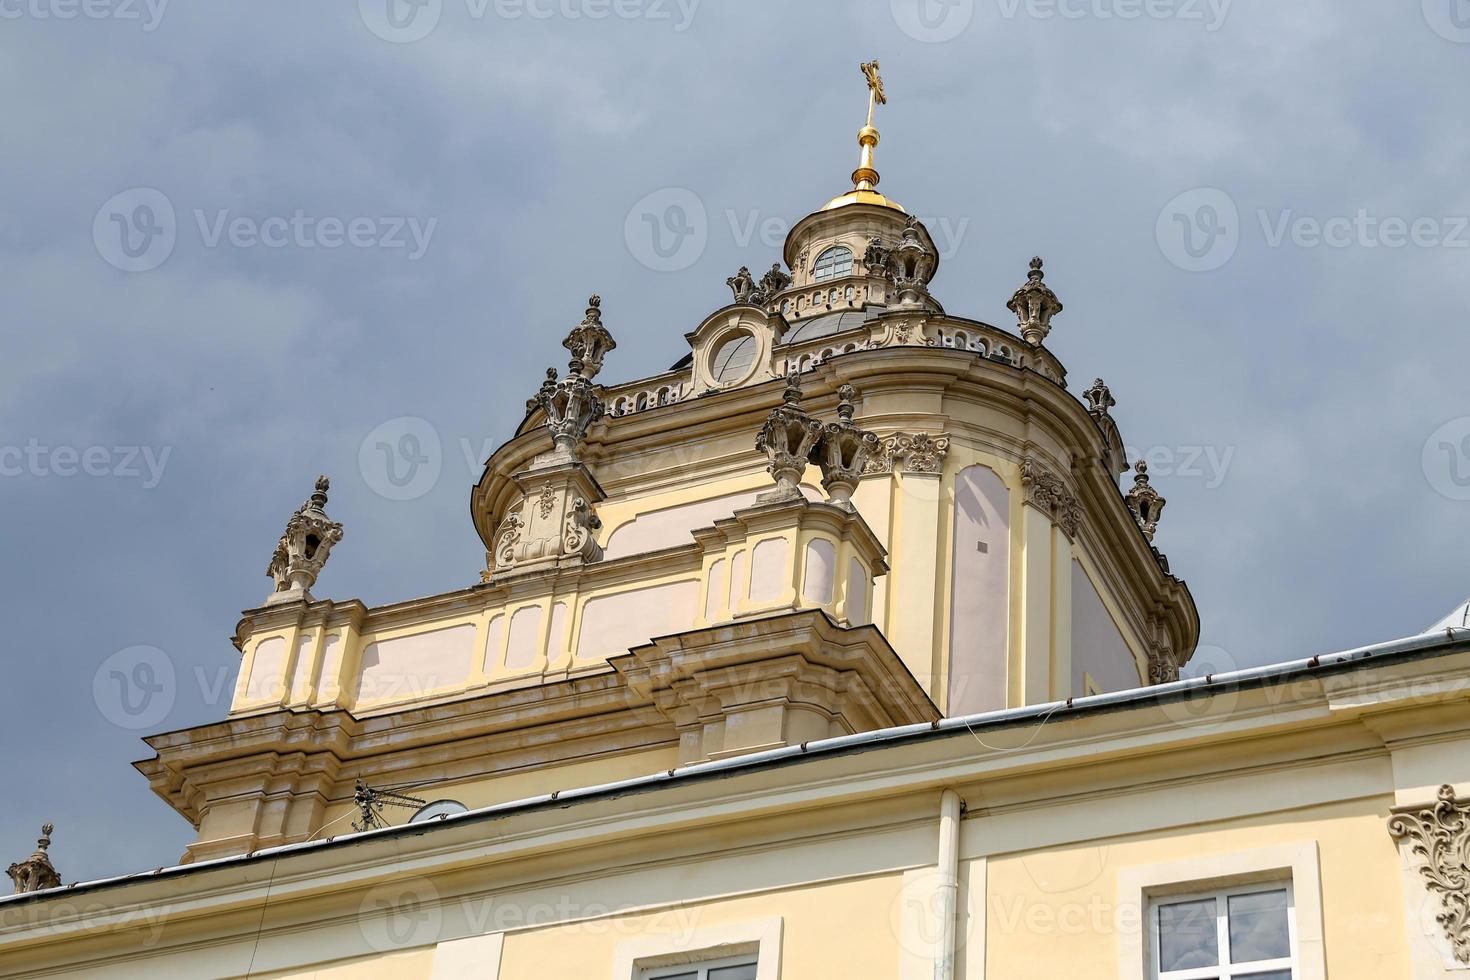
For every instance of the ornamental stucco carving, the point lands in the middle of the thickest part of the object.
(36, 872)
(775, 280)
(304, 547)
(1034, 305)
(917, 452)
(745, 289)
(742, 286)
(581, 522)
(1438, 838)
(1049, 494)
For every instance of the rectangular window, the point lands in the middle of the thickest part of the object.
(735, 968)
(1242, 933)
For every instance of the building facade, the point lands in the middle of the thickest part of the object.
(836, 650)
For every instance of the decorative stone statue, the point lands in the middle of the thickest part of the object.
(1099, 399)
(911, 266)
(788, 439)
(1099, 404)
(304, 548)
(548, 387)
(1144, 501)
(589, 342)
(844, 450)
(1034, 305)
(742, 284)
(875, 258)
(774, 281)
(36, 872)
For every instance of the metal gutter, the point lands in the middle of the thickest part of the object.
(1453, 640)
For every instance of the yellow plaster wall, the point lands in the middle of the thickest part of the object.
(1057, 912)
(839, 929)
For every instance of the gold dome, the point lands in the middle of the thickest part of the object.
(863, 197)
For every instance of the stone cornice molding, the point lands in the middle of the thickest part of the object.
(851, 678)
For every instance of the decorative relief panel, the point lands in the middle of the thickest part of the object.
(1438, 837)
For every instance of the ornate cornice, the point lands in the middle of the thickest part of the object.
(1439, 837)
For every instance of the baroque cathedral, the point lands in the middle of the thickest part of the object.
(842, 648)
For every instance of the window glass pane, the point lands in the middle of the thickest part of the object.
(745, 971)
(836, 261)
(1258, 927)
(1187, 935)
(1269, 975)
(734, 358)
(673, 976)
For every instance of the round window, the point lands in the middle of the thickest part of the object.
(733, 357)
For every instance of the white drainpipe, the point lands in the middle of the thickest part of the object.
(949, 883)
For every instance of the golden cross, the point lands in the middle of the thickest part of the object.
(875, 82)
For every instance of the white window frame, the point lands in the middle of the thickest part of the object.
(736, 942)
(822, 275)
(1140, 885)
(1224, 970)
(700, 967)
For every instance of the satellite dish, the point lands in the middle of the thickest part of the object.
(438, 809)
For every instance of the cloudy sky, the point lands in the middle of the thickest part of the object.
(240, 239)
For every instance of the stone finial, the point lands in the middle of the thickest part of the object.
(844, 450)
(788, 438)
(1099, 399)
(1034, 305)
(548, 387)
(775, 280)
(1144, 501)
(571, 406)
(36, 872)
(589, 342)
(742, 285)
(911, 265)
(304, 548)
